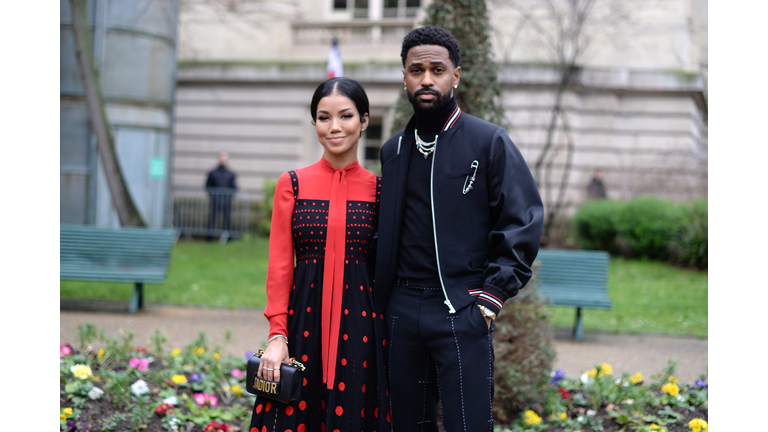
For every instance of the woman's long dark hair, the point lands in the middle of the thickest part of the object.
(345, 87)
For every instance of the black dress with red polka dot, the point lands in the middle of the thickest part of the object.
(359, 400)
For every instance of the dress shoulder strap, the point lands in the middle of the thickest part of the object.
(295, 184)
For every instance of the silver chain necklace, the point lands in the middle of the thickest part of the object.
(425, 148)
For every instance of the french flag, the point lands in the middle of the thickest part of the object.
(335, 67)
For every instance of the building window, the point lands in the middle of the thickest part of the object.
(339, 4)
(401, 8)
(361, 8)
(373, 141)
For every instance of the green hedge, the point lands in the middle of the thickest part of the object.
(645, 227)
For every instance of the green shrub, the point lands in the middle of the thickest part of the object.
(595, 225)
(524, 354)
(689, 246)
(646, 226)
(264, 224)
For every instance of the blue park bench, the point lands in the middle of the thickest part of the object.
(577, 278)
(137, 255)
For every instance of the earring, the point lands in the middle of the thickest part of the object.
(405, 87)
(455, 86)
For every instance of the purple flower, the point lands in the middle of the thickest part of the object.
(196, 377)
(702, 384)
(71, 426)
(557, 375)
(118, 368)
(249, 354)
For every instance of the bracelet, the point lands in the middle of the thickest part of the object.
(278, 336)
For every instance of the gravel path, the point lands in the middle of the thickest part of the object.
(647, 354)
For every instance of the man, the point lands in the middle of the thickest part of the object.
(595, 188)
(459, 227)
(220, 185)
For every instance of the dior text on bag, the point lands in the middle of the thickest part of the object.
(286, 390)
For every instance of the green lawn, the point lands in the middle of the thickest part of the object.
(648, 297)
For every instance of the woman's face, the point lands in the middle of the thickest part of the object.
(338, 125)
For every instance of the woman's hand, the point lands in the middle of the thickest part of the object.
(275, 354)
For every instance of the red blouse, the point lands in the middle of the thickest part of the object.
(319, 181)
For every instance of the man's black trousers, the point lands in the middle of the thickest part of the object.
(435, 355)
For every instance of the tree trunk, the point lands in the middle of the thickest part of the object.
(554, 210)
(126, 209)
(565, 79)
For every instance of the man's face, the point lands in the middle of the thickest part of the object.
(429, 77)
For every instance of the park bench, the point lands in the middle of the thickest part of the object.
(137, 255)
(575, 278)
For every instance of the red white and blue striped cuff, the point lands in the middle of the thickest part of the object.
(492, 300)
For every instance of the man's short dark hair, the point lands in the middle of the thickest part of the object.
(432, 35)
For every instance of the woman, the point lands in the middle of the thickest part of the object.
(321, 311)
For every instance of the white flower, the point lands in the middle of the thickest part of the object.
(680, 398)
(171, 400)
(95, 393)
(590, 413)
(139, 387)
(585, 378)
(173, 423)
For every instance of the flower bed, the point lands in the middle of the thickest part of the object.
(600, 401)
(123, 387)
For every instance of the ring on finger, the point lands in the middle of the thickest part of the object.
(266, 368)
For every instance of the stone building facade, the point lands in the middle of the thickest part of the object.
(637, 108)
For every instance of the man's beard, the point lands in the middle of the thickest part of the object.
(429, 108)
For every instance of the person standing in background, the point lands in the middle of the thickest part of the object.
(596, 188)
(220, 185)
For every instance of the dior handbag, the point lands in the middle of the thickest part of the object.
(288, 389)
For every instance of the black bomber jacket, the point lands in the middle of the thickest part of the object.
(486, 238)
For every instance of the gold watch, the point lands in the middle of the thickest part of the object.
(487, 312)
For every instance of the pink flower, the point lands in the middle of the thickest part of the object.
(203, 398)
(139, 363)
(237, 373)
(64, 350)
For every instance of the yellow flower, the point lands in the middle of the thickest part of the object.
(562, 416)
(100, 355)
(198, 350)
(81, 371)
(216, 356)
(530, 417)
(636, 378)
(698, 425)
(672, 379)
(179, 379)
(671, 389)
(655, 427)
(237, 390)
(175, 352)
(605, 369)
(66, 412)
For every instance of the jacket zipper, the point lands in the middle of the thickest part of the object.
(447, 302)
